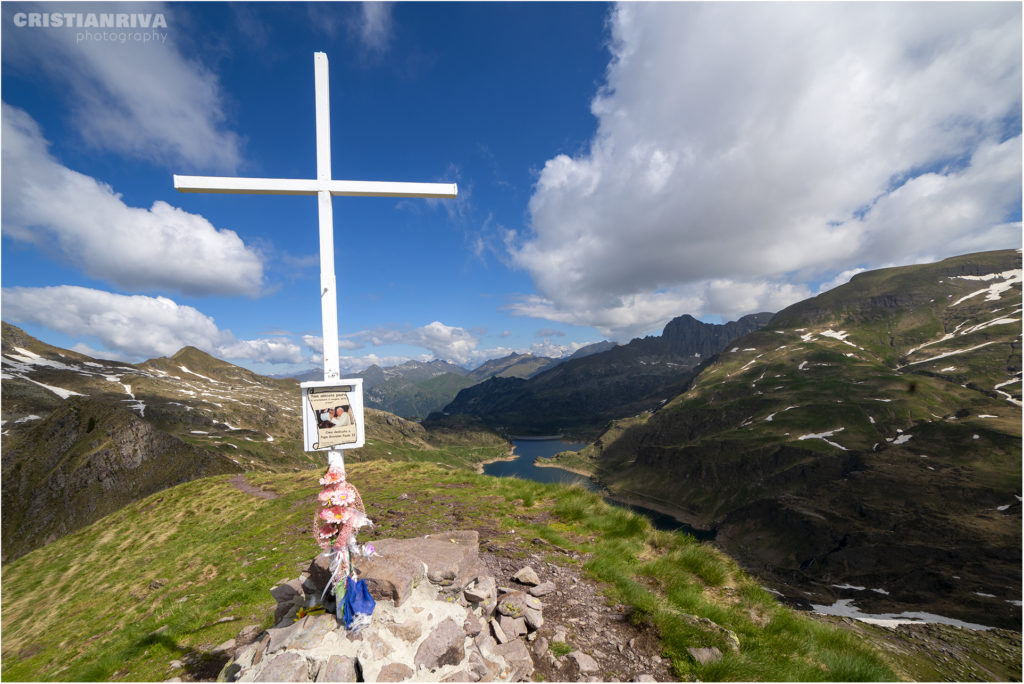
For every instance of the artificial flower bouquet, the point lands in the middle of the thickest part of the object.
(339, 514)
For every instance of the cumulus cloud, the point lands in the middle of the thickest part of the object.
(143, 99)
(450, 343)
(136, 326)
(746, 150)
(86, 223)
(445, 342)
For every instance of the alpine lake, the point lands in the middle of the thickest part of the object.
(524, 467)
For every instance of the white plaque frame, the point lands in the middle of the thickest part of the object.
(317, 438)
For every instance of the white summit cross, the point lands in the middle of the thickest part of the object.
(323, 186)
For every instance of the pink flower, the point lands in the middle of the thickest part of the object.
(332, 515)
(334, 475)
(328, 493)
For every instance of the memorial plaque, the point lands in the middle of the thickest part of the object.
(332, 414)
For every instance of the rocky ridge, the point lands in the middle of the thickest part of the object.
(581, 395)
(446, 612)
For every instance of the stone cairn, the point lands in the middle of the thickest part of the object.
(439, 617)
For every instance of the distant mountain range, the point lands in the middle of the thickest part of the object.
(580, 395)
(865, 443)
(415, 389)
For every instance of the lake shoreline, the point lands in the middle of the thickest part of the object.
(644, 502)
(510, 456)
(542, 462)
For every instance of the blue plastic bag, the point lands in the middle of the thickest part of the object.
(358, 603)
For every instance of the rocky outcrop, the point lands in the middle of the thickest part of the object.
(439, 617)
(84, 461)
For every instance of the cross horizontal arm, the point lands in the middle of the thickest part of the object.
(301, 186)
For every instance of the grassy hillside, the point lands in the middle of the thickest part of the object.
(869, 436)
(185, 569)
(84, 436)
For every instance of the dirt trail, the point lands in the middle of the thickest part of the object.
(243, 485)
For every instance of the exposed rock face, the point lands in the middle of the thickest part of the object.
(425, 626)
(84, 461)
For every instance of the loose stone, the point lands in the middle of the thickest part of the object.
(705, 655)
(542, 589)
(584, 662)
(528, 576)
(395, 672)
(337, 669)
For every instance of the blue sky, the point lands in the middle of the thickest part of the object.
(618, 165)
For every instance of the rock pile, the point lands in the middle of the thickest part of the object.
(439, 617)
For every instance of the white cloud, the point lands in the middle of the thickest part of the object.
(369, 23)
(375, 27)
(448, 343)
(136, 326)
(555, 351)
(85, 222)
(443, 341)
(280, 350)
(746, 150)
(143, 99)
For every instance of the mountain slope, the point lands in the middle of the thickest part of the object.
(583, 394)
(83, 436)
(512, 366)
(414, 388)
(868, 437)
(85, 460)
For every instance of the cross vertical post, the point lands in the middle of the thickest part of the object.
(328, 280)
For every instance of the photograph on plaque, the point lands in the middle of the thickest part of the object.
(334, 415)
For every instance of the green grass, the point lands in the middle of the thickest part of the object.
(122, 598)
(671, 582)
